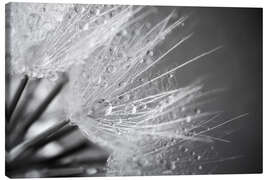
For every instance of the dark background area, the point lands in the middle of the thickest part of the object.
(236, 67)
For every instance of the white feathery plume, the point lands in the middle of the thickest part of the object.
(145, 120)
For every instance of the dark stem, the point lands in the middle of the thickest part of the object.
(41, 162)
(25, 125)
(16, 97)
(21, 148)
(57, 135)
(40, 144)
(19, 112)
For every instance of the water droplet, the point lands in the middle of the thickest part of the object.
(200, 167)
(118, 131)
(148, 61)
(103, 84)
(111, 14)
(124, 33)
(100, 107)
(78, 8)
(197, 111)
(67, 16)
(141, 162)
(34, 74)
(53, 77)
(142, 106)
(199, 157)
(84, 75)
(97, 11)
(83, 26)
(120, 54)
(162, 37)
(110, 69)
(148, 25)
(124, 97)
(131, 108)
(122, 84)
(171, 75)
(142, 80)
(188, 119)
(150, 53)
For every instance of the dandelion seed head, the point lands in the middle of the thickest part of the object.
(140, 120)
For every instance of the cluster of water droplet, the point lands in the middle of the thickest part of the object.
(144, 119)
(46, 39)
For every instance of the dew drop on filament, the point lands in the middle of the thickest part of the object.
(122, 84)
(131, 108)
(100, 107)
(110, 69)
(53, 77)
(150, 53)
(125, 97)
(188, 119)
(197, 111)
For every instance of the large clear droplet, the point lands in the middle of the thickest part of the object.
(124, 97)
(142, 106)
(53, 77)
(100, 107)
